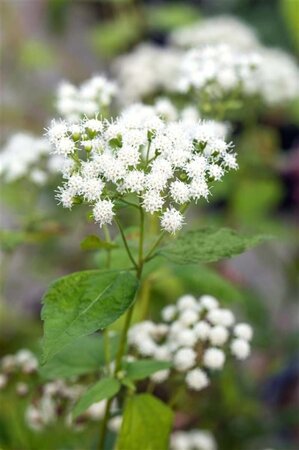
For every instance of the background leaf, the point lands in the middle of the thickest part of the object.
(208, 245)
(137, 370)
(146, 425)
(103, 389)
(93, 242)
(66, 363)
(82, 303)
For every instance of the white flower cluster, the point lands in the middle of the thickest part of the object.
(218, 70)
(277, 78)
(192, 440)
(147, 70)
(90, 98)
(219, 29)
(24, 155)
(165, 164)
(195, 337)
(24, 361)
(55, 399)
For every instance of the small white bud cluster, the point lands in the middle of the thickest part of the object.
(192, 440)
(196, 336)
(24, 361)
(139, 78)
(218, 70)
(223, 29)
(166, 165)
(25, 155)
(277, 78)
(90, 98)
(55, 400)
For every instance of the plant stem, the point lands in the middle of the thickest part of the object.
(108, 239)
(141, 239)
(124, 333)
(149, 254)
(125, 242)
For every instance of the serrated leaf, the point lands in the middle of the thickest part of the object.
(137, 370)
(146, 424)
(93, 242)
(82, 303)
(103, 389)
(66, 363)
(208, 245)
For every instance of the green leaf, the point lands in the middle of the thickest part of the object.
(146, 424)
(66, 363)
(200, 279)
(105, 388)
(208, 245)
(93, 242)
(137, 370)
(170, 16)
(82, 303)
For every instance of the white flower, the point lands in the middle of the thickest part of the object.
(217, 70)
(65, 147)
(65, 197)
(187, 302)
(134, 181)
(208, 302)
(96, 411)
(160, 376)
(136, 76)
(188, 317)
(218, 335)
(162, 353)
(114, 423)
(139, 153)
(165, 109)
(179, 192)
(92, 188)
(94, 125)
(243, 331)
(219, 29)
(192, 440)
(152, 201)
(168, 313)
(197, 379)
(202, 330)
(213, 358)
(22, 156)
(57, 131)
(3, 380)
(180, 441)
(103, 212)
(146, 346)
(186, 338)
(184, 359)
(240, 348)
(221, 317)
(90, 98)
(172, 220)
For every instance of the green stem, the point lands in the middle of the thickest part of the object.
(108, 239)
(129, 203)
(124, 333)
(149, 254)
(125, 242)
(141, 239)
(158, 241)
